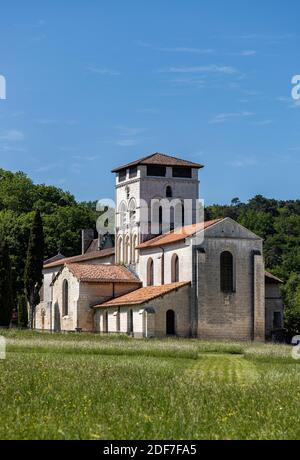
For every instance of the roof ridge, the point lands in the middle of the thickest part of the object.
(163, 289)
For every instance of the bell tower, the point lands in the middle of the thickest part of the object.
(140, 186)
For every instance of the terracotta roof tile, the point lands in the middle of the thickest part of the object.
(143, 295)
(178, 234)
(102, 273)
(82, 257)
(159, 159)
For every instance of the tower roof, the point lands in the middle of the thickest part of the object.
(159, 159)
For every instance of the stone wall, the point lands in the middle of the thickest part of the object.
(222, 315)
(274, 303)
(149, 319)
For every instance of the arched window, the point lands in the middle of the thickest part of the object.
(130, 321)
(226, 272)
(170, 322)
(65, 298)
(169, 193)
(175, 268)
(132, 211)
(150, 275)
(127, 250)
(105, 321)
(119, 250)
(134, 251)
(160, 216)
(179, 214)
(122, 215)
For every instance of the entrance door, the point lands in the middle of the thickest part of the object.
(170, 322)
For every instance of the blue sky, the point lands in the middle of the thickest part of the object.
(95, 84)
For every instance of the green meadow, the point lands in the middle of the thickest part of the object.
(84, 386)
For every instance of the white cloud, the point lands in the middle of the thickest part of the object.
(176, 49)
(203, 69)
(127, 142)
(248, 53)
(242, 162)
(263, 123)
(223, 117)
(11, 135)
(103, 71)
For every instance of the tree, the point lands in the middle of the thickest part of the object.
(291, 293)
(22, 311)
(33, 277)
(5, 285)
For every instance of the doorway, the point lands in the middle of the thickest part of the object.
(170, 322)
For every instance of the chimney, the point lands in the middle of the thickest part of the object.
(87, 237)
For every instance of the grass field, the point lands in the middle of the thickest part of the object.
(89, 387)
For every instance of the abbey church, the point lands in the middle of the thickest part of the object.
(163, 277)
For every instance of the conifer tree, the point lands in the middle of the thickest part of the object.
(33, 276)
(5, 285)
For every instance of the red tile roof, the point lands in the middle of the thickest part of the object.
(178, 234)
(102, 273)
(159, 159)
(82, 257)
(143, 295)
(272, 278)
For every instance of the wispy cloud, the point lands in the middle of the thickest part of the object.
(12, 148)
(263, 123)
(190, 81)
(127, 142)
(86, 157)
(219, 69)
(46, 168)
(248, 53)
(242, 162)
(128, 135)
(243, 53)
(223, 117)
(11, 135)
(103, 71)
(176, 49)
(289, 102)
(259, 37)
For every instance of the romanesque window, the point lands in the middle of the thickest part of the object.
(132, 211)
(175, 268)
(226, 272)
(119, 250)
(127, 250)
(105, 321)
(169, 193)
(150, 274)
(130, 321)
(134, 256)
(160, 220)
(65, 298)
(122, 215)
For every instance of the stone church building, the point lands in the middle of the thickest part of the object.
(193, 279)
